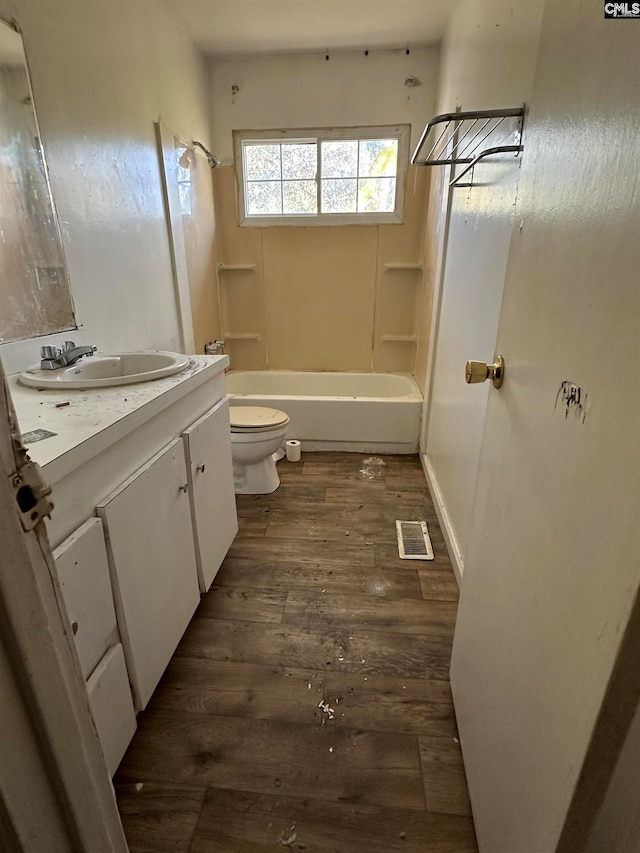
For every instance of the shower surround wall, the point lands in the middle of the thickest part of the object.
(102, 73)
(321, 298)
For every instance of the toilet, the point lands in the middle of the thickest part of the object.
(256, 434)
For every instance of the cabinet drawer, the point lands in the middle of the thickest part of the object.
(213, 502)
(153, 564)
(112, 706)
(83, 572)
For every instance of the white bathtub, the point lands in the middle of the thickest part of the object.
(366, 412)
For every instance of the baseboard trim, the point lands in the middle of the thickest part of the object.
(452, 546)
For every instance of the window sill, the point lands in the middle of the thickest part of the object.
(322, 221)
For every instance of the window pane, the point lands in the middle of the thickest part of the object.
(376, 195)
(262, 162)
(299, 160)
(339, 196)
(340, 159)
(378, 157)
(263, 199)
(299, 197)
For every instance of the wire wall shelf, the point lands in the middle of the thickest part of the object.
(466, 138)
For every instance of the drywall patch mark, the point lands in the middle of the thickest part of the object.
(573, 399)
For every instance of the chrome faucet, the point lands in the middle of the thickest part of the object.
(53, 358)
(214, 348)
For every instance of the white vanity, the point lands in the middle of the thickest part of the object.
(144, 515)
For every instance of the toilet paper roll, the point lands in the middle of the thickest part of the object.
(293, 449)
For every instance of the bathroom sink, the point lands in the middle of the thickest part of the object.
(105, 370)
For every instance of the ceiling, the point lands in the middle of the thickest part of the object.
(231, 27)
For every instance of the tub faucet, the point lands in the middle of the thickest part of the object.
(214, 348)
(53, 358)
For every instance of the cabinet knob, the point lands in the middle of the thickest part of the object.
(184, 488)
(74, 628)
(201, 468)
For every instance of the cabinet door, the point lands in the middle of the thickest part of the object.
(153, 564)
(213, 502)
(112, 706)
(83, 572)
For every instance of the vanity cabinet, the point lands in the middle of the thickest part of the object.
(152, 561)
(213, 508)
(83, 574)
(131, 565)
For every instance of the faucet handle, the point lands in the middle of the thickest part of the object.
(49, 352)
(67, 345)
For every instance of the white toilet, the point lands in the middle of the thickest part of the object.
(256, 434)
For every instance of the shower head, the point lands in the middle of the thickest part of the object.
(212, 160)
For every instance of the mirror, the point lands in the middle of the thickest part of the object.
(35, 296)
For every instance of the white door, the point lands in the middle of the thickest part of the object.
(480, 226)
(54, 786)
(213, 502)
(552, 570)
(153, 565)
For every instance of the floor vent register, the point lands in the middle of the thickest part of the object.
(413, 540)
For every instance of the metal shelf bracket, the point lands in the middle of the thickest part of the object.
(458, 138)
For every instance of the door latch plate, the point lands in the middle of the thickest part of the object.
(31, 492)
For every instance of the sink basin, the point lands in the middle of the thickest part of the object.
(105, 371)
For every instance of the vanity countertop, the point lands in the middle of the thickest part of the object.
(96, 418)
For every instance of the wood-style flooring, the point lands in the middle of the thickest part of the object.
(236, 751)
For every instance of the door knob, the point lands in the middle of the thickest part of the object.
(479, 371)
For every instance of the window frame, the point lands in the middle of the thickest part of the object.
(401, 132)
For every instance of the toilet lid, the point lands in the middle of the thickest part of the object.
(250, 418)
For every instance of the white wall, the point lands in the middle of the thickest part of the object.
(488, 54)
(102, 73)
(488, 61)
(307, 90)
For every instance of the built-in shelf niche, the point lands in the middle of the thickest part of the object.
(398, 339)
(398, 267)
(236, 267)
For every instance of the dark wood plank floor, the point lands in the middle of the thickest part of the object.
(236, 752)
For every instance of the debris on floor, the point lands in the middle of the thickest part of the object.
(372, 468)
(139, 786)
(327, 709)
(288, 836)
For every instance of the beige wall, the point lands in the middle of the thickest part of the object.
(200, 248)
(320, 298)
(102, 73)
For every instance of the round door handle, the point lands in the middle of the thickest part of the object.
(201, 468)
(479, 371)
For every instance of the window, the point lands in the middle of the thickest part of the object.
(321, 177)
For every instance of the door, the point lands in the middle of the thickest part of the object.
(153, 565)
(552, 572)
(480, 226)
(54, 787)
(213, 502)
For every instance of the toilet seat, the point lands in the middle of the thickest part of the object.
(256, 419)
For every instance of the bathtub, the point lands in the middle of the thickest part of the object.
(365, 412)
